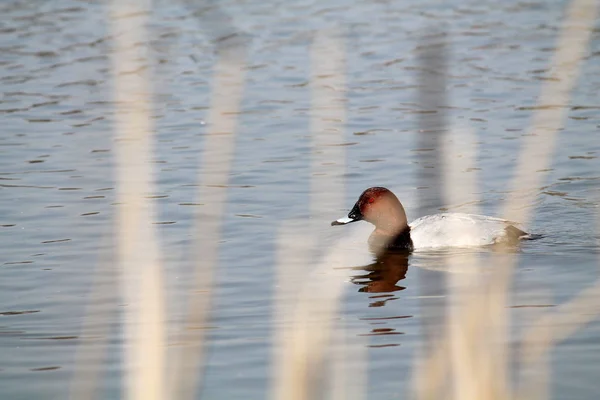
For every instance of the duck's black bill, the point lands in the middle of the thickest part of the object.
(353, 216)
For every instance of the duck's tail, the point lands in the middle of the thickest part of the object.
(513, 233)
(532, 236)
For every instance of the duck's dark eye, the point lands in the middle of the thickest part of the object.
(371, 200)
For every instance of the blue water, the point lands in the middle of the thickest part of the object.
(58, 187)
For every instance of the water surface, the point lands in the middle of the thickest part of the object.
(58, 190)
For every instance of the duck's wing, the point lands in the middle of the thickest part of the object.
(461, 230)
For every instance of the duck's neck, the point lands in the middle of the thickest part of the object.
(391, 225)
(382, 240)
(391, 222)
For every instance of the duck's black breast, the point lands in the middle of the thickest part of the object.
(401, 242)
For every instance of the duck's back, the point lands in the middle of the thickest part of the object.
(461, 230)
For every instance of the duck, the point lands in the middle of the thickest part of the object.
(381, 207)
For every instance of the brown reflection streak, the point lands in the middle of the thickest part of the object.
(385, 318)
(383, 274)
(5, 313)
(382, 332)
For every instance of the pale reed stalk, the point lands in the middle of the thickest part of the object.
(217, 156)
(138, 250)
(537, 151)
(327, 123)
(306, 340)
(294, 258)
(464, 331)
(538, 146)
(459, 359)
(430, 377)
(303, 343)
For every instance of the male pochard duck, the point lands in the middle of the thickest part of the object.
(382, 208)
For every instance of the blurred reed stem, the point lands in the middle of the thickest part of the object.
(303, 344)
(187, 363)
(141, 282)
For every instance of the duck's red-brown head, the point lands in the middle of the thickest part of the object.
(380, 207)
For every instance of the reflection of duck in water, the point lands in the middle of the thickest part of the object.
(383, 275)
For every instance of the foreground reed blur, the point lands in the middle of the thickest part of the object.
(469, 360)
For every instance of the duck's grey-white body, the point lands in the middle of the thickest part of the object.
(459, 230)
